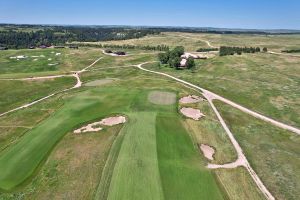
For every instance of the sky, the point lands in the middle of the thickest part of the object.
(256, 14)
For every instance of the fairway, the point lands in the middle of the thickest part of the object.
(179, 159)
(137, 165)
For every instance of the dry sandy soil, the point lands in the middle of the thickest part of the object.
(96, 126)
(192, 113)
(207, 151)
(191, 99)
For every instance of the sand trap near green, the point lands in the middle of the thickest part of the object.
(162, 97)
(100, 82)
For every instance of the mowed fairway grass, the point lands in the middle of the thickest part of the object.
(182, 172)
(136, 173)
(158, 159)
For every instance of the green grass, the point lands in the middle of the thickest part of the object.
(68, 60)
(271, 80)
(136, 170)
(18, 93)
(182, 173)
(272, 152)
(20, 161)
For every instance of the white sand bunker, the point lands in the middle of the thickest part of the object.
(112, 121)
(191, 99)
(18, 57)
(100, 82)
(53, 64)
(192, 113)
(162, 98)
(207, 151)
(96, 126)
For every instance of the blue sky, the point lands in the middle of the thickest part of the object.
(269, 14)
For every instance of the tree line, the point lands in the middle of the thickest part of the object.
(207, 49)
(59, 35)
(291, 51)
(225, 50)
(172, 58)
(125, 46)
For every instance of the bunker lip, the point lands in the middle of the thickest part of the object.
(96, 126)
(192, 113)
(191, 99)
(207, 151)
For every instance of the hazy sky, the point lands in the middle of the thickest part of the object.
(209, 13)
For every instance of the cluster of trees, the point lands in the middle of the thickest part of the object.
(224, 50)
(291, 51)
(58, 35)
(173, 58)
(126, 46)
(207, 49)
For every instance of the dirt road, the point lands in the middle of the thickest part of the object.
(215, 96)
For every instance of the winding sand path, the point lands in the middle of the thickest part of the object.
(77, 85)
(35, 78)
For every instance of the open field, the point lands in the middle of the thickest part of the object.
(155, 154)
(250, 78)
(193, 41)
(17, 93)
(273, 153)
(38, 63)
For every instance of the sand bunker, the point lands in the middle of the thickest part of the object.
(100, 82)
(96, 126)
(18, 57)
(112, 121)
(192, 113)
(191, 99)
(162, 98)
(53, 64)
(207, 151)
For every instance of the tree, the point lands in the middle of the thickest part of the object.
(265, 49)
(163, 58)
(174, 62)
(178, 51)
(190, 64)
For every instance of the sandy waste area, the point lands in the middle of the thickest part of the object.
(191, 99)
(192, 113)
(96, 126)
(207, 151)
